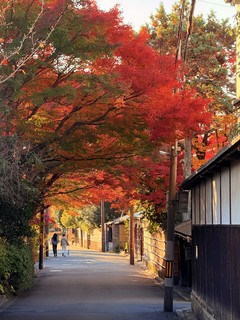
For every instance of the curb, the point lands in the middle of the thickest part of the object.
(186, 314)
(6, 302)
(3, 300)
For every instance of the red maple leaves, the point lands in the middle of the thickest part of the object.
(95, 102)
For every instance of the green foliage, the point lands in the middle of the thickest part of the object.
(235, 131)
(57, 216)
(18, 197)
(15, 162)
(69, 221)
(16, 267)
(14, 222)
(156, 219)
(83, 218)
(88, 217)
(109, 213)
(209, 52)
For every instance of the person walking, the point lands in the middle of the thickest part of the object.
(54, 241)
(64, 244)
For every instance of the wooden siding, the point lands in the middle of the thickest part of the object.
(203, 203)
(225, 195)
(216, 276)
(235, 199)
(197, 204)
(209, 216)
(216, 200)
(193, 206)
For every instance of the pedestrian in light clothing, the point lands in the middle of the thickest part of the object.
(64, 244)
(54, 241)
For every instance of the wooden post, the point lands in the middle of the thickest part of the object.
(187, 157)
(103, 226)
(47, 233)
(131, 237)
(41, 239)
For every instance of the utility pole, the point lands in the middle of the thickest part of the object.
(169, 257)
(131, 237)
(103, 225)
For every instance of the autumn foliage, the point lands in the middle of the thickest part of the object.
(209, 67)
(91, 101)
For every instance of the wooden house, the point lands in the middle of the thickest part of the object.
(215, 197)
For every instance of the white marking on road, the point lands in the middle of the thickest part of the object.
(56, 270)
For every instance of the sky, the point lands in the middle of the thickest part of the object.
(137, 12)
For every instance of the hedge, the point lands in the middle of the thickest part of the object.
(16, 267)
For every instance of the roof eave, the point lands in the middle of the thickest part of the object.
(223, 155)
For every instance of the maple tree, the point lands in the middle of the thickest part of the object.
(209, 67)
(87, 98)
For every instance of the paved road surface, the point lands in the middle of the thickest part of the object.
(90, 285)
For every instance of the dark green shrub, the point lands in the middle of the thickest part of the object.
(14, 222)
(16, 267)
(4, 267)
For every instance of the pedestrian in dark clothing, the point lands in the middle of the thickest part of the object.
(54, 241)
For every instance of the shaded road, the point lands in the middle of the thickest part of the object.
(90, 285)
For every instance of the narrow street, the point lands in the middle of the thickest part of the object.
(90, 285)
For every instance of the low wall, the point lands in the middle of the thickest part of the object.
(91, 241)
(154, 251)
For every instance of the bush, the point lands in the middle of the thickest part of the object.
(16, 268)
(14, 222)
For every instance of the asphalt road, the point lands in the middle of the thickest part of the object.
(90, 285)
